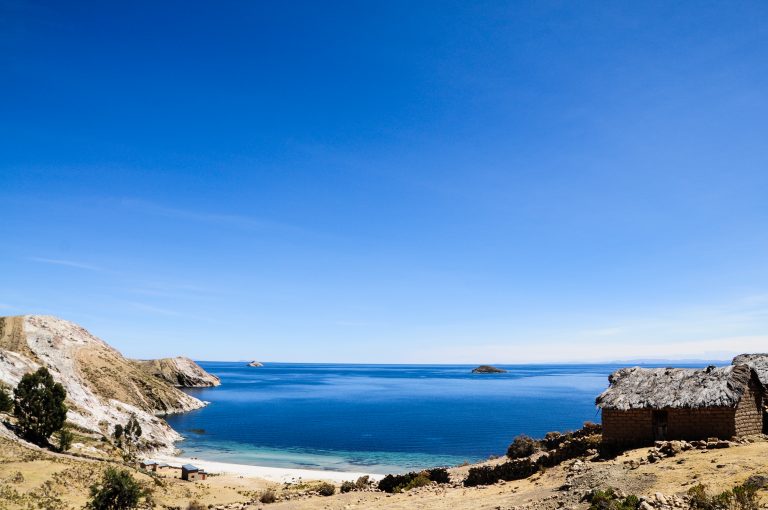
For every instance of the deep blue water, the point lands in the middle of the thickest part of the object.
(381, 418)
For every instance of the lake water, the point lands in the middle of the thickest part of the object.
(381, 418)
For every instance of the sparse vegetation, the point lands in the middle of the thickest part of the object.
(522, 446)
(326, 489)
(117, 491)
(196, 505)
(65, 438)
(347, 486)
(6, 402)
(741, 497)
(408, 481)
(609, 500)
(39, 405)
(268, 497)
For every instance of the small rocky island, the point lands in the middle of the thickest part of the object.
(255, 364)
(488, 369)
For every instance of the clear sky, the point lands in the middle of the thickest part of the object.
(389, 181)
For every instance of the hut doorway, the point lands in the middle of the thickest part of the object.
(660, 425)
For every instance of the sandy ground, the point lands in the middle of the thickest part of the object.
(29, 478)
(281, 475)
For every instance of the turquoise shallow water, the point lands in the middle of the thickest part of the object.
(381, 418)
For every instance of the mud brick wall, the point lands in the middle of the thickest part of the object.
(627, 427)
(692, 424)
(749, 412)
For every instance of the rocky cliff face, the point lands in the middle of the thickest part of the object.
(180, 372)
(103, 387)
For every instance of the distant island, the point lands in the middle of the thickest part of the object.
(255, 364)
(488, 369)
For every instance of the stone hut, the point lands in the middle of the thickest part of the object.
(192, 473)
(643, 405)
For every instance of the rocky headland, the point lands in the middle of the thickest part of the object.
(103, 387)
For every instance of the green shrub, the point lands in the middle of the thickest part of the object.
(268, 497)
(522, 446)
(39, 405)
(326, 489)
(608, 500)
(6, 402)
(741, 497)
(438, 475)
(196, 505)
(65, 438)
(408, 481)
(116, 491)
(348, 486)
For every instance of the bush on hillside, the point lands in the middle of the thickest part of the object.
(65, 438)
(39, 405)
(511, 470)
(408, 481)
(741, 497)
(522, 446)
(608, 500)
(326, 489)
(438, 475)
(347, 486)
(6, 402)
(196, 505)
(268, 497)
(117, 491)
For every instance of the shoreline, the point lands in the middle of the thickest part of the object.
(272, 474)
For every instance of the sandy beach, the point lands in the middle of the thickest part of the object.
(272, 474)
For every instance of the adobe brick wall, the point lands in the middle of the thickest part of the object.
(749, 412)
(627, 427)
(636, 426)
(693, 424)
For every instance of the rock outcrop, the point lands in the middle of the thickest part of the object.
(488, 369)
(180, 372)
(103, 387)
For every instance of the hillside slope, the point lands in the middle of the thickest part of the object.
(103, 387)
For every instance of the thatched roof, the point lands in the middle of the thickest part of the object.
(758, 363)
(659, 388)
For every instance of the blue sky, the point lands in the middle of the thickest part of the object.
(389, 182)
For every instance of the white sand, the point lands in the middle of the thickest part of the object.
(267, 473)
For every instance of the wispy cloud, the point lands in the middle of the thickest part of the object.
(233, 220)
(155, 310)
(66, 263)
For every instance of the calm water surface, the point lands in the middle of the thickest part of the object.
(381, 418)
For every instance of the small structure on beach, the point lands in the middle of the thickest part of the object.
(643, 405)
(149, 465)
(192, 473)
